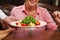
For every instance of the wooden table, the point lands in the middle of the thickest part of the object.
(45, 35)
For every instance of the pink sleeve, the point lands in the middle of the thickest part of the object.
(51, 25)
(12, 11)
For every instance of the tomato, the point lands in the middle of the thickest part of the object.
(23, 24)
(16, 23)
(37, 23)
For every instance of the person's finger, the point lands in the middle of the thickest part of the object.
(59, 14)
(11, 18)
(55, 13)
(8, 20)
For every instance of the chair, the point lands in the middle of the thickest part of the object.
(49, 7)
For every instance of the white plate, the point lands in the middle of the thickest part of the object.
(42, 23)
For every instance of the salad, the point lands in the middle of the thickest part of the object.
(28, 21)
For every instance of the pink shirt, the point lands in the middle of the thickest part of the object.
(42, 14)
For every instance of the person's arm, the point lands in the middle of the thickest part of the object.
(51, 25)
(5, 19)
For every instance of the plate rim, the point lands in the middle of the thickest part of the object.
(27, 26)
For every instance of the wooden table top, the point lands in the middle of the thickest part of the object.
(45, 35)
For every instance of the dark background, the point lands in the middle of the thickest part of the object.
(13, 2)
(46, 1)
(20, 2)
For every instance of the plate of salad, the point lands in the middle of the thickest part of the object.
(28, 22)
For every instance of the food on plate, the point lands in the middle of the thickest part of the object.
(37, 23)
(28, 21)
(31, 24)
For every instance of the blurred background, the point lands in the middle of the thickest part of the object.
(7, 5)
(20, 2)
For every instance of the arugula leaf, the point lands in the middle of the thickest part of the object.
(29, 19)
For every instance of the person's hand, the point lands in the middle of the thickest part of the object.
(56, 15)
(6, 21)
(9, 19)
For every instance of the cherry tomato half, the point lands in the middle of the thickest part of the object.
(23, 24)
(37, 23)
(16, 23)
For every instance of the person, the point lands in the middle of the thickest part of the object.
(31, 8)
